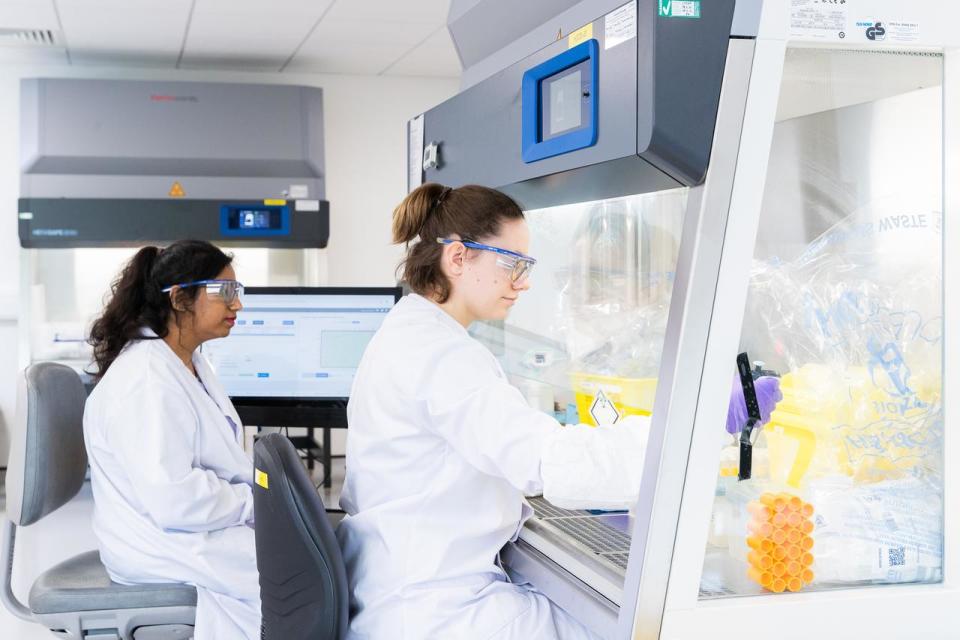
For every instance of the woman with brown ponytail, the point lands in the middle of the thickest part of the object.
(171, 481)
(441, 448)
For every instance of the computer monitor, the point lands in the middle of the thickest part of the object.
(298, 345)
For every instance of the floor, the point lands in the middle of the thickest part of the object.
(67, 532)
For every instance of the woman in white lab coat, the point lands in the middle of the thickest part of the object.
(171, 482)
(441, 448)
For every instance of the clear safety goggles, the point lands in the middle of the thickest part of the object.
(517, 264)
(227, 290)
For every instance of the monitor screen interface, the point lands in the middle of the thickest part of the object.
(297, 345)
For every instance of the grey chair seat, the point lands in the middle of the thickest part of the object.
(82, 584)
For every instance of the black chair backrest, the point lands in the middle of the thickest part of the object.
(303, 583)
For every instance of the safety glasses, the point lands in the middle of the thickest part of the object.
(517, 264)
(226, 290)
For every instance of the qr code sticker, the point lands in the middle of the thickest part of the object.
(896, 556)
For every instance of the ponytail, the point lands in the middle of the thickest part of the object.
(137, 301)
(411, 214)
(434, 211)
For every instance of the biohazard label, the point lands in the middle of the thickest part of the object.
(603, 411)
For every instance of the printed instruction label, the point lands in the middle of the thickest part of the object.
(620, 25)
(818, 18)
(579, 36)
(679, 9)
(415, 149)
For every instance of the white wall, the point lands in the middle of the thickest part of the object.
(364, 128)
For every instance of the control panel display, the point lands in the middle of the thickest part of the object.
(254, 220)
(559, 103)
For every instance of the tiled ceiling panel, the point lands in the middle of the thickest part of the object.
(127, 31)
(248, 35)
(396, 37)
(435, 56)
(358, 46)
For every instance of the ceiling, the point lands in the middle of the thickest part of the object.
(368, 37)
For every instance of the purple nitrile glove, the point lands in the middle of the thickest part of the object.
(768, 395)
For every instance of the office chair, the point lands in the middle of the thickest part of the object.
(303, 583)
(48, 462)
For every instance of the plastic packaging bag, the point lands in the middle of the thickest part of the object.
(615, 290)
(855, 325)
(889, 532)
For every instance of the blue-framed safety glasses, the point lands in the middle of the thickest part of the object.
(227, 290)
(517, 264)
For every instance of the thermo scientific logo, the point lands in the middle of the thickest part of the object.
(873, 29)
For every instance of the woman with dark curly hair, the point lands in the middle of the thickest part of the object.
(171, 481)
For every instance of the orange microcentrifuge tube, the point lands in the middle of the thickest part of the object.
(763, 545)
(794, 584)
(778, 553)
(760, 560)
(793, 551)
(779, 520)
(779, 569)
(794, 568)
(794, 503)
(763, 578)
(794, 519)
(779, 536)
(775, 502)
(806, 543)
(807, 576)
(759, 511)
(794, 536)
(806, 526)
(762, 529)
(778, 585)
(806, 559)
(806, 510)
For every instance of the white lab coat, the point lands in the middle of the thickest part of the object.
(172, 485)
(440, 451)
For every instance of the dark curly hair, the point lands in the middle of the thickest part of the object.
(136, 299)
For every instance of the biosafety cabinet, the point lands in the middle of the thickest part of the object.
(108, 166)
(709, 178)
